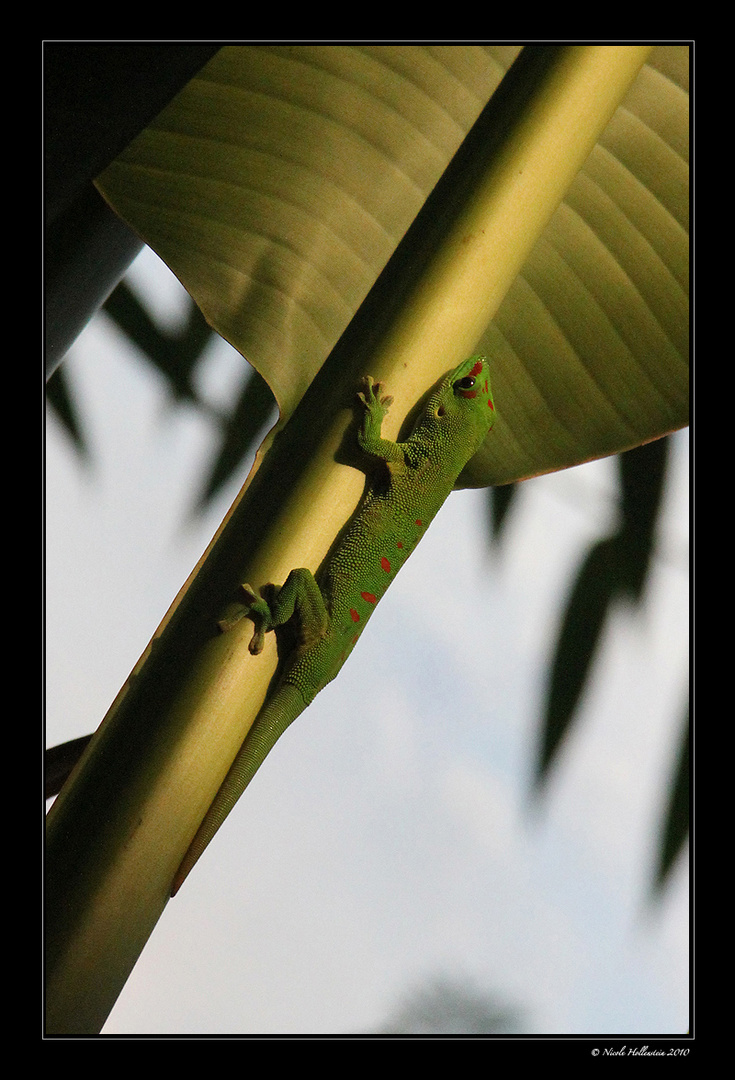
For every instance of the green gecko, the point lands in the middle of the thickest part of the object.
(330, 611)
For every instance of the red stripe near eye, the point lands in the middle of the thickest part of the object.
(477, 368)
(468, 393)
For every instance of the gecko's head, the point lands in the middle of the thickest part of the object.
(464, 397)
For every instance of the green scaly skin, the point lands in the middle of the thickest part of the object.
(331, 610)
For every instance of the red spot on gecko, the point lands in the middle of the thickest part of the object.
(490, 404)
(368, 598)
(477, 368)
(385, 564)
(399, 544)
(354, 615)
(419, 523)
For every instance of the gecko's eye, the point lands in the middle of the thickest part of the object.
(464, 387)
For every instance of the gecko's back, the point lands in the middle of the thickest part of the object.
(410, 483)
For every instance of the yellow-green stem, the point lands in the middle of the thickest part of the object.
(119, 829)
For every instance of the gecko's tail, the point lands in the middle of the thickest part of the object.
(269, 725)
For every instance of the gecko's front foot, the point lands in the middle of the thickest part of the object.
(371, 397)
(376, 406)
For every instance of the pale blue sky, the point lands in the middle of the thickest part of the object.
(389, 838)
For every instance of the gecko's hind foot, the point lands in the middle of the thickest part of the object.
(255, 608)
(232, 620)
(250, 598)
